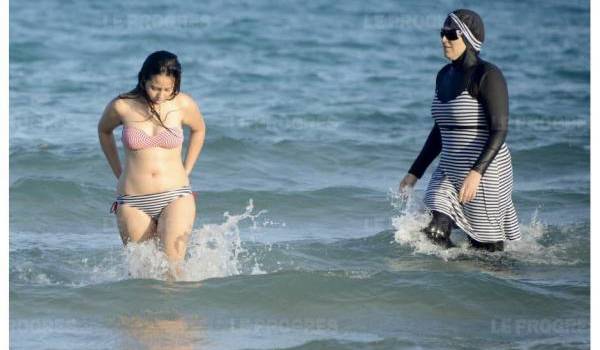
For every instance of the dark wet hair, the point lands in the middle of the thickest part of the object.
(159, 62)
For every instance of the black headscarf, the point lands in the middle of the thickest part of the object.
(471, 26)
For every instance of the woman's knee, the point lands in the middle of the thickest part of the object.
(175, 225)
(137, 235)
(175, 246)
(135, 227)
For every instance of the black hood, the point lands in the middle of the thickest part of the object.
(472, 21)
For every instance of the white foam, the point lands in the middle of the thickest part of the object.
(412, 217)
(531, 249)
(213, 251)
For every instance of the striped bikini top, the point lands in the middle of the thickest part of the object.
(137, 139)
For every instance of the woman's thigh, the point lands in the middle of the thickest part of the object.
(135, 225)
(175, 225)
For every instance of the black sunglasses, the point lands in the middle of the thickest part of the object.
(450, 34)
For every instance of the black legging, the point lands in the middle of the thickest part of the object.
(439, 230)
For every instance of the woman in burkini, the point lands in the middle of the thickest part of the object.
(155, 199)
(472, 185)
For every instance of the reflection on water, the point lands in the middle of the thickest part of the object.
(173, 333)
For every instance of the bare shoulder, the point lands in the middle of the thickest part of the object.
(186, 101)
(116, 108)
(120, 106)
(112, 115)
(127, 109)
(192, 116)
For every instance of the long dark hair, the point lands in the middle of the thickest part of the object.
(159, 62)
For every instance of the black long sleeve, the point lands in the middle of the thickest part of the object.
(431, 149)
(494, 96)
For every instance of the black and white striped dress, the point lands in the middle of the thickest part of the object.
(491, 215)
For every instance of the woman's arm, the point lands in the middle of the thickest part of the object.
(431, 149)
(192, 117)
(494, 96)
(108, 122)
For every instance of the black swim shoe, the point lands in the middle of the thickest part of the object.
(438, 236)
(439, 230)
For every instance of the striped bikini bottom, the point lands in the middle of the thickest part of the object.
(153, 203)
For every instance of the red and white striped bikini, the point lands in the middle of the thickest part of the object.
(136, 139)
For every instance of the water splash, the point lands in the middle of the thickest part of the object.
(146, 260)
(214, 250)
(412, 217)
(531, 247)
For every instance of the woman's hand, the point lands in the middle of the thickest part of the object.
(409, 180)
(469, 187)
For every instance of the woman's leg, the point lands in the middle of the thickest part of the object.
(439, 229)
(134, 225)
(490, 247)
(175, 224)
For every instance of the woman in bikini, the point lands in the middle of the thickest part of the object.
(155, 199)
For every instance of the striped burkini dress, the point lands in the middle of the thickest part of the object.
(491, 215)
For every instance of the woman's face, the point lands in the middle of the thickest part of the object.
(159, 88)
(453, 48)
